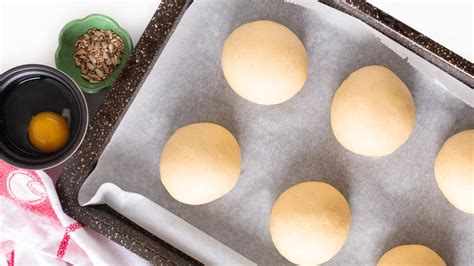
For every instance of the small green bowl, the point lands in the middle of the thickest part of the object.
(68, 36)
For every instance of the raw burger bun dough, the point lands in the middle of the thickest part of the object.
(310, 222)
(264, 62)
(411, 255)
(200, 163)
(372, 112)
(454, 170)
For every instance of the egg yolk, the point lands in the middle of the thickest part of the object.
(48, 131)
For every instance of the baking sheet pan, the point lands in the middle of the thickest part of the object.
(393, 199)
(103, 218)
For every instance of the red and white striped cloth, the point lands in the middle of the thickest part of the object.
(34, 230)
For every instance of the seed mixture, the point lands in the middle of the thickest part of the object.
(98, 53)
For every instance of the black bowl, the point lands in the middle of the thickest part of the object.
(30, 89)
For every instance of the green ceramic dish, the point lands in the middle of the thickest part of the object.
(67, 39)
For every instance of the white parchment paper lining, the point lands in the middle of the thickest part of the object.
(394, 200)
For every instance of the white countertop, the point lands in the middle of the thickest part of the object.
(448, 22)
(29, 29)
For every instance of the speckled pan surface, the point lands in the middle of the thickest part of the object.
(102, 126)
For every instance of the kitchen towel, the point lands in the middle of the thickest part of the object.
(34, 230)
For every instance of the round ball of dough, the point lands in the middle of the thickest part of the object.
(200, 163)
(411, 255)
(454, 170)
(372, 112)
(310, 223)
(264, 62)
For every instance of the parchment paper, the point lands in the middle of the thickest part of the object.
(394, 199)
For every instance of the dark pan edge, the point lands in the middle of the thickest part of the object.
(121, 230)
(433, 52)
(103, 218)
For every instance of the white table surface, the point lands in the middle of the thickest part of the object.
(29, 28)
(448, 22)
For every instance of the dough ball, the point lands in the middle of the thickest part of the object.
(200, 163)
(310, 223)
(454, 170)
(411, 255)
(264, 62)
(372, 112)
